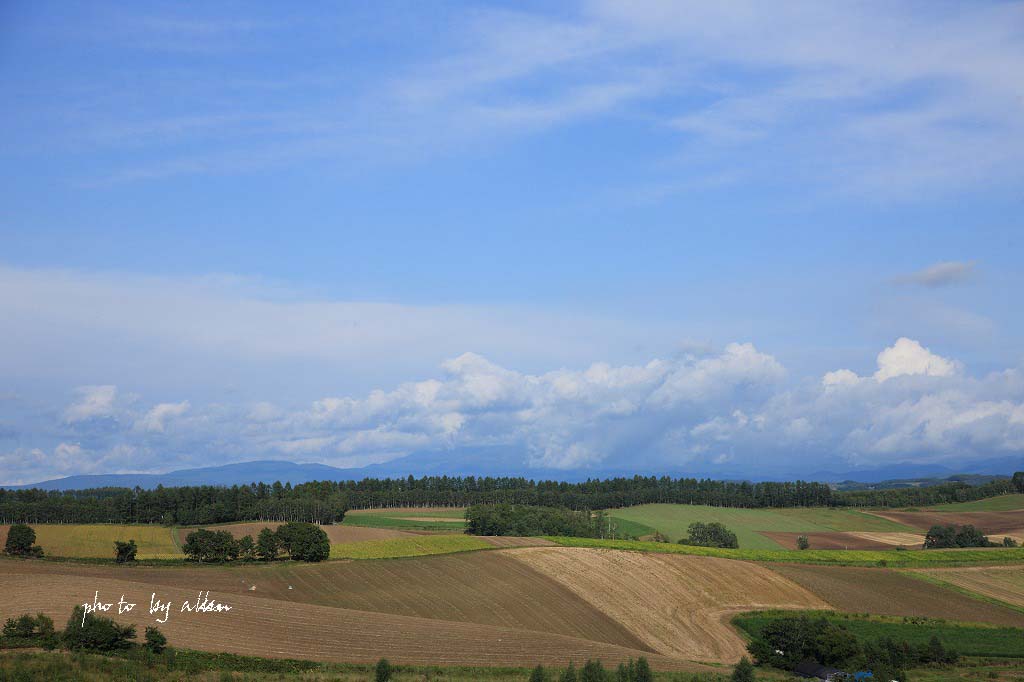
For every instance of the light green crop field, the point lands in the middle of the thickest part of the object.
(1000, 503)
(433, 519)
(406, 547)
(673, 520)
(97, 540)
(836, 557)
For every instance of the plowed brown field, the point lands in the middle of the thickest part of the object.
(1001, 522)
(473, 587)
(889, 593)
(834, 540)
(273, 628)
(677, 605)
(1005, 583)
(337, 533)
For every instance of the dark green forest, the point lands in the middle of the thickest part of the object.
(325, 502)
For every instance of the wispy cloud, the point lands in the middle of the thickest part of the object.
(940, 274)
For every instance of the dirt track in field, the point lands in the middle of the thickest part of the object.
(474, 587)
(677, 605)
(1001, 522)
(338, 534)
(889, 593)
(1005, 583)
(273, 628)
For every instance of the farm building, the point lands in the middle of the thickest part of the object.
(818, 671)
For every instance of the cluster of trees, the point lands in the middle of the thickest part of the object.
(300, 541)
(786, 642)
(949, 537)
(84, 632)
(511, 519)
(633, 671)
(325, 502)
(712, 534)
(21, 541)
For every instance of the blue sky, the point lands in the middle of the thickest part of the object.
(231, 231)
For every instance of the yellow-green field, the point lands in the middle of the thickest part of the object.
(97, 540)
(1000, 503)
(405, 547)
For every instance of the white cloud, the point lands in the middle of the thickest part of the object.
(156, 419)
(940, 274)
(908, 357)
(94, 402)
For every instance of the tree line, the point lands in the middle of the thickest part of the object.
(325, 502)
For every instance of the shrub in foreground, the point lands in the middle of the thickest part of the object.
(95, 633)
(21, 540)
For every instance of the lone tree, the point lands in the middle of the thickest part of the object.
(569, 674)
(21, 541)
(539, 674)
(125, 552)
(304, 541)
(642, 671)
(382, 673)
(802, 542)
(744, 671)
(712, 534)
(268, 545)
(155, 640)
(1018, 481)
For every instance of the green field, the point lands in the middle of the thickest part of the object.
(405, 547)
(966, 639)
(1000, 503)
(89, 541)
(836, 557)
(673, 520)
(406, 519)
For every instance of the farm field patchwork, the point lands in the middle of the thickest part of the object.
(891, 593)
(673, 520)
(274, 628)
(421, 545)
(1002, 583)
(438, 519)
(97, 540)
(848, 540)
(989, 522)
(677, 605)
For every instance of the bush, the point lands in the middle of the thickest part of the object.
(592, 671)
(538, 674)
(569, 674)
(304, 541)
(712, 534)
(743, 672)
(96, 633)
(155, 640)
(27, 630)
(21, 541)
(125, 552)
(802, 542)
(382, 672)
(246, 548)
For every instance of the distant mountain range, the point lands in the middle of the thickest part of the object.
(502, 461)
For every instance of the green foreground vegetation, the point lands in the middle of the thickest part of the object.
(672, 520)
(395, 548)
(966, 638)
(836, 557)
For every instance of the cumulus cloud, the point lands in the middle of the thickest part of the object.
(940, 274)
(94, 402)
(908, 357)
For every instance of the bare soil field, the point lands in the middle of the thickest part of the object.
(511, 541)
(890, 593)
(1005, 583)
(676, 605)
(273, 628)
(989, 522)
(833, 540)
(338, 534)
(473, 587)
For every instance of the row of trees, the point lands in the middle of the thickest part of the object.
(325, 502)
(511, 519)
(300, 541)
(949, 537)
